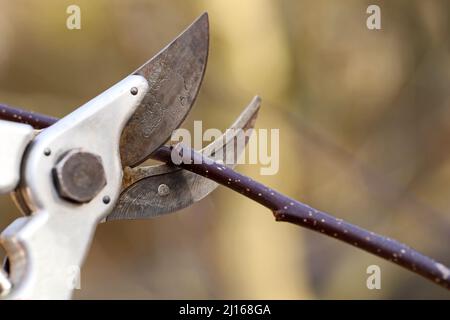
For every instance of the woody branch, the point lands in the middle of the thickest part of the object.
(283, 208)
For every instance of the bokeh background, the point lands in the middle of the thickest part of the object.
(364, 119)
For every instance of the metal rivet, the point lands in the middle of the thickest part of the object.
(106, 199)
(134, 91)
(47, 152)
(163, 190)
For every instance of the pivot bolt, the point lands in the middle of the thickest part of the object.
(79, 176)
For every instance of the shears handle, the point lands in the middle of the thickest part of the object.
(47, 247)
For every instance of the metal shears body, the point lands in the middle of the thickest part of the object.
(83, 170)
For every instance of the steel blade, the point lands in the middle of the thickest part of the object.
(174, 76)
(152, 191)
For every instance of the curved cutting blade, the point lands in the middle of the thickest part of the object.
(152, 191)
(174, 76)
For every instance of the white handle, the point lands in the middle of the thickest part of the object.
(14, 138)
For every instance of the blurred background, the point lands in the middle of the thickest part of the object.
(364, 119)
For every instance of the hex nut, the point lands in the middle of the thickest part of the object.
(79, 176)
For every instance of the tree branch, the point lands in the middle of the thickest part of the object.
(36, 120)
(284, 208)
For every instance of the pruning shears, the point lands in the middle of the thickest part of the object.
(84, 170)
